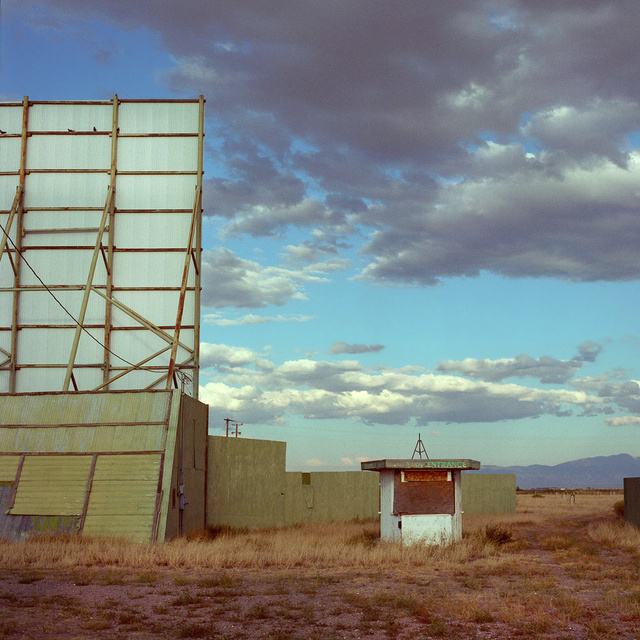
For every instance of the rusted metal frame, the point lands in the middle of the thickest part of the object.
(98, 365)
(81, 132)
(16, 481)
(143, 321)
(109, 258)
(58, 247)
(88, 326)
(129, 369)
(156, 173)
(85, 506)
(37, 209)
(88, 288)
(48, 171)
(55, 247)
(198, 251)
(183, 288)
(14, 268)
(70, 230)
(158, 100)
(18, 248)
(84, 102)
(83, 424)
(120, 211)
(182, 365)
(106, 265)
(158, 135)
(12, 213)
(53, 365)
(38, 287)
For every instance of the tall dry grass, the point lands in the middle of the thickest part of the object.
(323, 545)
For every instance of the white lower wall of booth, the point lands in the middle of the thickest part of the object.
(427, 529)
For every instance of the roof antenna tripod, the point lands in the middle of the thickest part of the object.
(419, 449)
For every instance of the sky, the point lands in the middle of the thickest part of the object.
(420, 218)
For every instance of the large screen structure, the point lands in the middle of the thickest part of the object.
(100, 245)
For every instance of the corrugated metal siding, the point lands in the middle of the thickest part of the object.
(139, 437)
(8, 468)
(123, 496)
(85, 408)
(52, 485)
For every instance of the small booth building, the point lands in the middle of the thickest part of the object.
(420, 500)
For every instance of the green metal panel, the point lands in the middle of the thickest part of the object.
(334, 495)
(245, 482)
(84, 408)
(488, 493)
(129, 431)
(52, 485)
(83, 439)
(123, 496)
(8, 468)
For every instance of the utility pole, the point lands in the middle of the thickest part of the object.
(234, 426)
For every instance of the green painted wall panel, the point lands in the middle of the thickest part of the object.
(84, 408)
(8, 468)
(245, 482)
(52, 485)
(335, 495)
(488, 493)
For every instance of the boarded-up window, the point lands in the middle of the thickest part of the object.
(123, 496)
(426, 475)
(423, 497)
(52, 485)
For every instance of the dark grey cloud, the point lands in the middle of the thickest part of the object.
(546, 369)
(588, 351)
(343, 347)
(468, 136)
(346, 390)
(230, 281)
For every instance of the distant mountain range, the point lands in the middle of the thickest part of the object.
(602, 472)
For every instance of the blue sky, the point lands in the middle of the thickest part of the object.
(423, 220)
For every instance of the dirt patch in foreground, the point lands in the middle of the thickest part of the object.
(551, 580)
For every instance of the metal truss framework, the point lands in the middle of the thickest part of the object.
(139, 345)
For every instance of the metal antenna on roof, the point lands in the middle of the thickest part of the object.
(419, 449)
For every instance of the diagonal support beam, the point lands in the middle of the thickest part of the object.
(183, 287)
(87, 290)
(130, 369)
(138, 318)
(12, 213)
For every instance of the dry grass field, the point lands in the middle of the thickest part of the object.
(552, 570)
